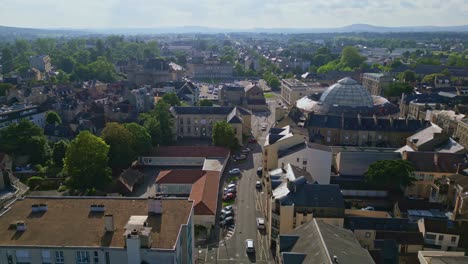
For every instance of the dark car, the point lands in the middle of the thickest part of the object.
(226, 215)
(229, 197)
(259, 171)
(227, 221)
(231, 190)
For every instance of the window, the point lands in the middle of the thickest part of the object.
(441, 237)
(96, 257)
(430, 236)
(181, 130)
(107, 258)
(46, 259)
(453, 239)
(368, 234)
(22, 257)
(304, 162)
(297, 159)
(181, 121)
(82, 257)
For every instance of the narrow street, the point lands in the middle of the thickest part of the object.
(248, 207)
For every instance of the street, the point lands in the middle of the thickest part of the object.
(248, 207)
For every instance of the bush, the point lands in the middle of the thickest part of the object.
(35, 181)
(62, 188)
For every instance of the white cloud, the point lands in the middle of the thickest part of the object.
(230, 13)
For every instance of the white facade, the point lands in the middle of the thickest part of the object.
(13, 116)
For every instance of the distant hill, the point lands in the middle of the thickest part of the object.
(15, 32)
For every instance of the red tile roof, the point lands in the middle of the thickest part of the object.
(191, 151)
(205, 194)
(179, 176)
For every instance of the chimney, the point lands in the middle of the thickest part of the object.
(407, 121)
(436, 159)
(109, 223)
(390, 118)
(375, 120)
(359, 119)
(133, 245)
(154, 205)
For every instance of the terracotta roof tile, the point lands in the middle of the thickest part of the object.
(179, 176)
(205, 194)
(191, 151)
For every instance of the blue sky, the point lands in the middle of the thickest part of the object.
(230, 13)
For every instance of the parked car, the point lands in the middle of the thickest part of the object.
(226, 215)
(224, 210)
(368, 208)
(246, 150)
(249, 246)
(228, 208)
(258, 185)
(230, 186)
(227, 221)
(260, 223)
(241, 157)
(229, 196)
(231, 190)
(259, 171)
(234, 171)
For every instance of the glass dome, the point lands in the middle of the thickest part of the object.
(347, 92)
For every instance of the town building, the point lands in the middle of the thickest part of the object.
(292, 90)
(376, 83)
(154, 71)
(254, 98)
(461, 134)
(319, 242)
(431, 257)
(430, 166)
(348, 98)
(97, 230)
(452, 191)
(296, 201)
(209, 68)
(142, 99)
(231, 94)
(14, 114)
(40, 62)
(440, 234)
(198, 121)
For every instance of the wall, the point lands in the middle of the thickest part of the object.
(366, 242)
(205, 220)
(422, 185)
(316, 162)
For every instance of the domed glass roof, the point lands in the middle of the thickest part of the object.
(347, 92)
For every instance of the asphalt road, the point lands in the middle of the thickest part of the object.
(248, 206)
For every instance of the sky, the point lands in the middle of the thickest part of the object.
(234, 14)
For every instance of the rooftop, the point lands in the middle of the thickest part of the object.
(441, 226)
(190, 151)
(436, 162)
(68, 222)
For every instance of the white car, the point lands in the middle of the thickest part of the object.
(260, 223)
(234, 171)
(249, 246)
(258, 185)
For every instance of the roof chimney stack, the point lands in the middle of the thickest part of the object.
(154, 205)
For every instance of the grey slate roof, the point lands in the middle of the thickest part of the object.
(313, 195)
(357, 163)
(320, 242)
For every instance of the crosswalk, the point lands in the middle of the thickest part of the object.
(231, 230)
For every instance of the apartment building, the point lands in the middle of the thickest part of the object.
(376, 83)
(209, 68)
(440, 233)
(293, 90)
(14, 114)
(91, 230)
(198, 121)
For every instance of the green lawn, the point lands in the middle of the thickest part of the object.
(229, 203)
(269, 95)
(233, 178)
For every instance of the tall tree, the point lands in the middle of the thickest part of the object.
(58, 152)
(7, 60)
(53, 118)
(120, 141)
(171, 99)
(350, 57)
(141, 139)
(223, 135)
(394, 175)
(159, 124)
(205, 102)
(25, 138)
(86, 162)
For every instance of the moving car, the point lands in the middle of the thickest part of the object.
(258, 185)
(259, 171)
(260, 223)
(234, 171)
(249, 246)
(227, 221)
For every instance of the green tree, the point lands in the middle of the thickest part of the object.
(4, 88)
(67, 64)
(25, 138)
(58, 152)
(205, 102)
(350, 57)
(7, 60)
(394, 175)
(430, 78)
(171, 99)
(408, 76)
(396, 89)
(223, 135)
(53, 118)
(159, 124)
(86, 162)
(102, 70)
(120, 141)
(141, 139)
